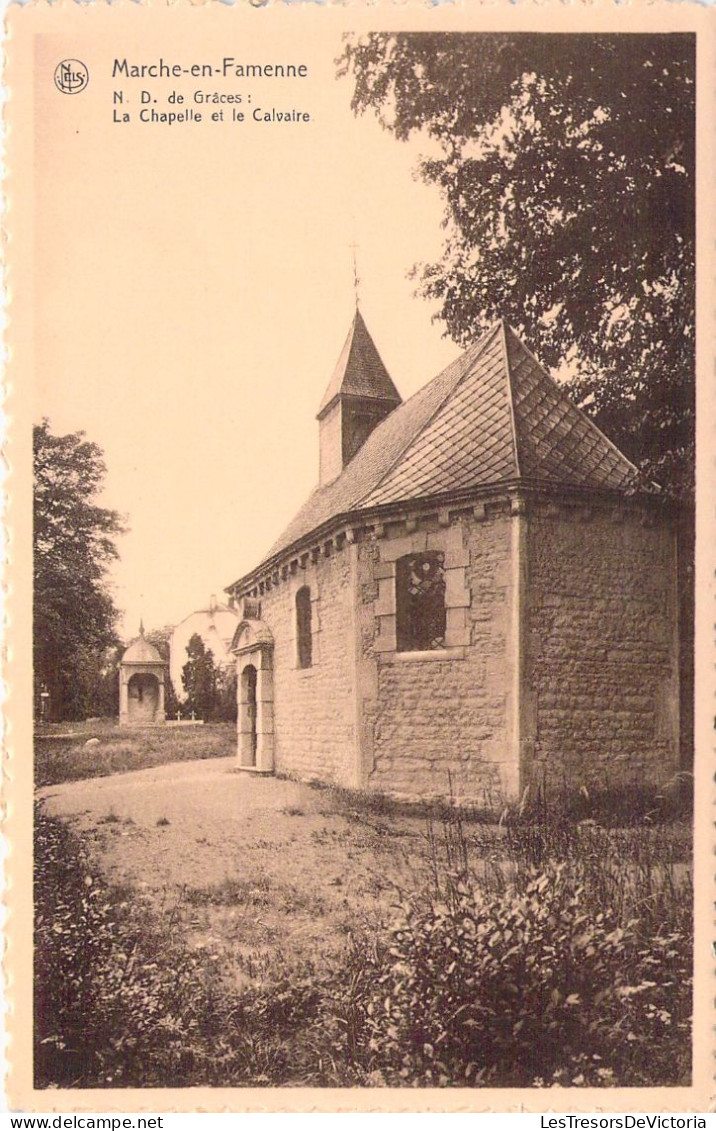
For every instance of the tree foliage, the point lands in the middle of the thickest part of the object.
(566, 165)
(199, 678)
(210, 688)
(159, 638)
(74, 612)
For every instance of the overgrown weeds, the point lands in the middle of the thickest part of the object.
(573, 972)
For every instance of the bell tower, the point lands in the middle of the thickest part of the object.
(359, 396)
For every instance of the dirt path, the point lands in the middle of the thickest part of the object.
(180, 823)
(249, 864)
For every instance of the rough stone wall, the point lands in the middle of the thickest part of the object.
(601, 695)
(314, 724)
(444, 725)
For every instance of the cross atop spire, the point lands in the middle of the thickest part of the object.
(356, 278)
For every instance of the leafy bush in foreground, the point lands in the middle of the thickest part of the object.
(531, 985)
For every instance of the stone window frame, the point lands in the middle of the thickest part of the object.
(306, 578)
(449, 542)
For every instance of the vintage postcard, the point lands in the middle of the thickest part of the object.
(359, 430)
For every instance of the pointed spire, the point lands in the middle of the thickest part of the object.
(359, 396)
(141, 627)
(360, 371)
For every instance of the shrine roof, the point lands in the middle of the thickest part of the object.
(141, 652)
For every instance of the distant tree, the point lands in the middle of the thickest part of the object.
(160, 637)
(199, 678)
(226, 684)
(74, 614)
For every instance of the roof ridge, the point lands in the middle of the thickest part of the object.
(476, 349)
(564, 395)
(504, 325)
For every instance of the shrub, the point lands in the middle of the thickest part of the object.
(112, 1005)
(120, 750)
(502, 988)
(569, 963)
(122, 1005)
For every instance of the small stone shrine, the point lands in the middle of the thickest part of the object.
(141, 685)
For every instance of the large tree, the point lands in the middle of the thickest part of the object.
(74, 545)
(566, 164)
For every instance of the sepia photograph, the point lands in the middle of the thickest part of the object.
(363, 412)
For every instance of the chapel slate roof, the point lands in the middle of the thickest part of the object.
(359, 371)
(493, 417)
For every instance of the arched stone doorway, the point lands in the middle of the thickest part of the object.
(253, 648)
(142, 699)
(248, 734)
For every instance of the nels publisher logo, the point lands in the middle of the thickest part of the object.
(71, 76)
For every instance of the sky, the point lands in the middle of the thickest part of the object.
(194, 286)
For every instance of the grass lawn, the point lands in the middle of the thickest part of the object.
(61, 753)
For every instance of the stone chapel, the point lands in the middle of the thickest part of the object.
(479, 595)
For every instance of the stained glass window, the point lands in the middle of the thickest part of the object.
(420, 601)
